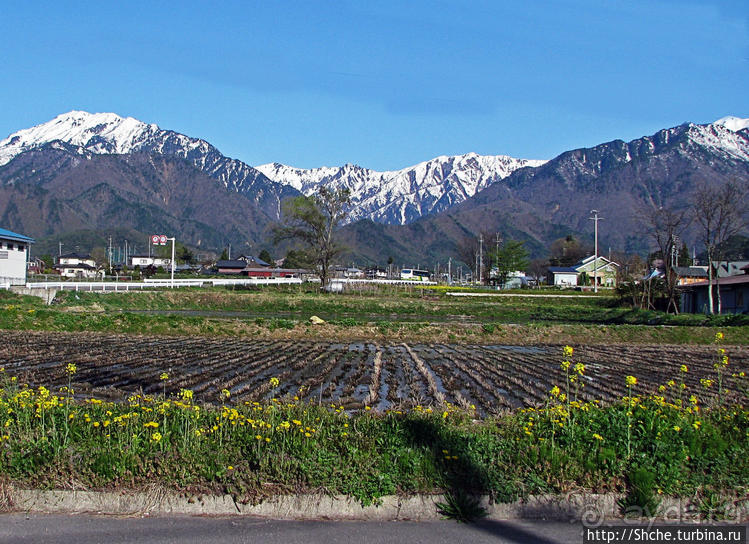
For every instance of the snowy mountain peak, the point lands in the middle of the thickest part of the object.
(733, 123)
(99, 132)
(108, 133)
(402, 196)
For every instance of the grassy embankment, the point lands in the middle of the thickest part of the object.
(387, 314)
(676, 442)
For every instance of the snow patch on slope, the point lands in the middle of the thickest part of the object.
(722, 140)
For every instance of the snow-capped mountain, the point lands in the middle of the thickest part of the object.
(108, 133)
(402, 196)
(394, 197)
(397, 197)
(733, 123)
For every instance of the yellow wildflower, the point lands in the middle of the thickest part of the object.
(631, 380)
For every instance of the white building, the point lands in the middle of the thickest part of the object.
(562, 276)
(74, 265)
(14, 252)
(146, 260)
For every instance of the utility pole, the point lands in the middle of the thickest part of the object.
(173, 239)
(110, 254)
(449, 271)
(59, 251)
(675, 252)
(595, 219)
(496, 256)
(481, 258)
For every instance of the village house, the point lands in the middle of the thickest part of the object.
(147, 260)
(14, 253)
(561, 276)
(603, 270)
(734, 295)
(230, 266)
(690, 274)
(35, 265)
(253, 262)
(76, 265)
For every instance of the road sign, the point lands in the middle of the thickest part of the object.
(162, 239)
(155, 239)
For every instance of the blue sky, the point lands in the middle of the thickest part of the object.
(380, 84)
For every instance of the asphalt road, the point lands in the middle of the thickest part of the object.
(92, 529)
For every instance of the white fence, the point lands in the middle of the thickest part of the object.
(105, 286)
(382, 282)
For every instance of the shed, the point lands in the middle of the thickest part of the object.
(14, 252)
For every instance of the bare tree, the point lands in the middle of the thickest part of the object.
(313, 220)
(568, 251)
(469, 249)
(537, 269)
(665, 226)
(721, 212)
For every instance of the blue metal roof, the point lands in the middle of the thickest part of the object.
(8, 235)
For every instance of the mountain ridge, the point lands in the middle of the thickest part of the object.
(534, 202)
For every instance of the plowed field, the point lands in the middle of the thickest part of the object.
(381, 375)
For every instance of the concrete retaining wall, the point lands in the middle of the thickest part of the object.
(590, 509)
(47, 295)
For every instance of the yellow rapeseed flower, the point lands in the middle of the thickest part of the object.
(684, 368)
(185, 394)
(568, 351)
(71, 369)
(164, 376)
(156, 437)
(631, 380)
(274, 381)
(597, 437)
(718, 336)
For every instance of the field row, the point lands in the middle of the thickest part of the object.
(383, 376)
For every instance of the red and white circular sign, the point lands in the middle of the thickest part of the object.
(162, 239)
(155, 239)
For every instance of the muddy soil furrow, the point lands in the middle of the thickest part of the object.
(388, 376)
